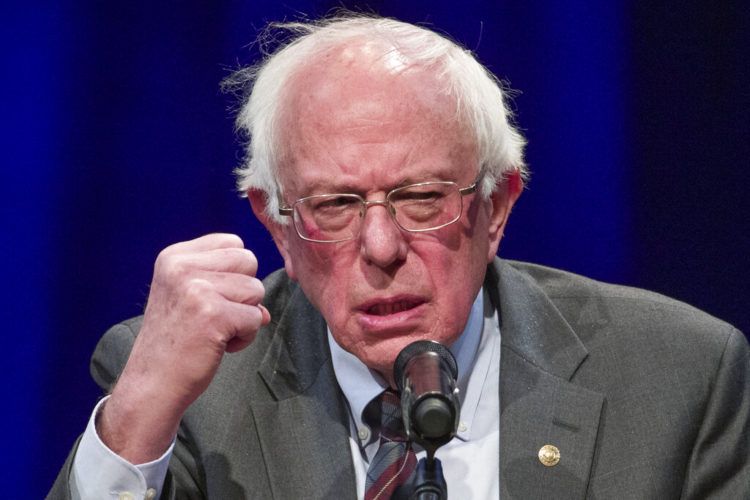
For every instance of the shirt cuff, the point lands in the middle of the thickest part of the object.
(99, 473)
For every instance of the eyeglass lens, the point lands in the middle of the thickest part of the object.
(337, 217)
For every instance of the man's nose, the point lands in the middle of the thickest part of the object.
(381, 240)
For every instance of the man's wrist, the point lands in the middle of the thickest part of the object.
(99, 472)
(137, 426)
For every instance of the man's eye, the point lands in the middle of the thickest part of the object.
(417, 196)
(339, 202)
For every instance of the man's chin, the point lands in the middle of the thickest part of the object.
(382, 355)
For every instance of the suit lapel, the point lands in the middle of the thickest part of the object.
(539, 404)
(304, 430)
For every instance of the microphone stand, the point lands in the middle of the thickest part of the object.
(429, 482)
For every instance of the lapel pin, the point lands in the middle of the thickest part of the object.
(549, 455)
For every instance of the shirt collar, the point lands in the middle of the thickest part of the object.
(361, 384)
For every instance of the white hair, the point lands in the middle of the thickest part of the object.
(481, 101)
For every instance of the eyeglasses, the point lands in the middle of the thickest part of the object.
(416, 208)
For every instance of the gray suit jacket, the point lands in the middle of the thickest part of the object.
(645, 397)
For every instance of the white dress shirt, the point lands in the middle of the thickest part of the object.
(100, 473)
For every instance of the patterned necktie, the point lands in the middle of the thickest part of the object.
(395, 461)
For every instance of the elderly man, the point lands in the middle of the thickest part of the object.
(383, 162)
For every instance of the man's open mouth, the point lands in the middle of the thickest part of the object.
(387, 308)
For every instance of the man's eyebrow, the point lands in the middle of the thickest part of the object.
(331, 186)
(328, 187)
(346, 188)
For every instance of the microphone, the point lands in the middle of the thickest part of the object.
(425, 373)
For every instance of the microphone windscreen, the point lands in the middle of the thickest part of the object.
(425, 373)
(421, 347)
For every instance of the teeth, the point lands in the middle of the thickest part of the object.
(386, 309)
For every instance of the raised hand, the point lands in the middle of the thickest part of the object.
(204, 301)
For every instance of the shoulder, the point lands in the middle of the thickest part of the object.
(632, 334)
(675, 380)
(589, 304)
(112, 352)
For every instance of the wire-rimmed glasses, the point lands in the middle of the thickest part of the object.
(416, 208)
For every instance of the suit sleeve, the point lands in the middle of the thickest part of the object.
(719, 465)
(107, 362)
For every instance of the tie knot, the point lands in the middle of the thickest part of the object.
(385, 412)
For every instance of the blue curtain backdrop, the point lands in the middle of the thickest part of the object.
(117, 142)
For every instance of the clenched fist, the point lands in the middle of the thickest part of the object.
(204, 301)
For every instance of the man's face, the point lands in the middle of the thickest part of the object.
(352, 129)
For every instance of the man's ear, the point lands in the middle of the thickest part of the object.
(508, 190)
(259, 202)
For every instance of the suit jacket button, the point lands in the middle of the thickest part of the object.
(549, 455)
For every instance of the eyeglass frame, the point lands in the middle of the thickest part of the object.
(288, 211)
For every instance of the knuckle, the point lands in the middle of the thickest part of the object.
(253, 263)
(171, 266)
(252, 291)
(236, 240)
(165, 252)
(196, 291)
(238, 260)
(246, 257)
(257, 288)
(228, 240)
(207, 309)
(171, 250)
(162, 258)
(257, 317)
(252, 322)
(250, 256)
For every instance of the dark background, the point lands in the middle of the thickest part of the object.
(117, 143)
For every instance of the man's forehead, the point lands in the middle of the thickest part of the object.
(363, 103)
(360, 106)
(359, 181)
(357, 74)
(331, 165)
